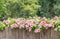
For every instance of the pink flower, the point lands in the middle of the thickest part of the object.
(28, 28)
(7, 21)
(21, 26)
(51, 25)
(36, 21)
(37, 31)
(16, 20)
(43, 22)
(29, 24)
(14, 26)
(20, 22)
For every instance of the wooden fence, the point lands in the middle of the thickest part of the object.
(21, 34)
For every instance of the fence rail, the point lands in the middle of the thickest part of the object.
(21, 34)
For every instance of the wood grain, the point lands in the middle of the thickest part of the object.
(21, 34)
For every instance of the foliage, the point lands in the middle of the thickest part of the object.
(57, 7)
(26, 8)
(2, 10)
(18, 8)
(49, 8)
(2, 26)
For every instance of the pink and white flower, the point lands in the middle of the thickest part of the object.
(28, 29)
(14, 26)
(43, 22)
(21, 26)
(6, 21)
(37, 31)
(51, 25)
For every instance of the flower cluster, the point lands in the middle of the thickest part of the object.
(35, 24)
(31, 24)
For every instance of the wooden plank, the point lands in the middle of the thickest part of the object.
(47, 34)
(16, 34)
(52, 34)
(1, 34)
(20, 34)
(56, 35)
(26, 35)
(41, 35)
(10, 34)
(31, 35)
(13, 34)
(36, 36)
(4, 34)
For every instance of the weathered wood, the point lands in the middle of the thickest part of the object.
(26, 35)
(4, 34)
(1, 34)
(21, 34)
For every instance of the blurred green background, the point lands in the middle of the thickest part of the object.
(27, 8)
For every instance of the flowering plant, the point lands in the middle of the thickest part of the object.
(57, 23)
(35, 24)
(31, 24)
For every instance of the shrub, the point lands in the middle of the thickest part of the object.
(18, 8)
